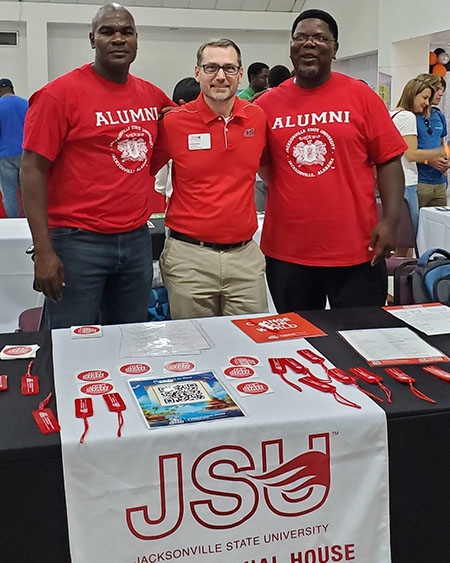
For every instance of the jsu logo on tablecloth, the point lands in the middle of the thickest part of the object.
(229, 488)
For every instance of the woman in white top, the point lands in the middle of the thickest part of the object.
(414, 100)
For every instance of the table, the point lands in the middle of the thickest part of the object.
(17, 272)
(418, 446)
(434, 228)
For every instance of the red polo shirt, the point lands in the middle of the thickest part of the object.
(214, 168)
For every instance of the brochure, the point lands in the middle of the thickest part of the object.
(182, 399)
(278, 327)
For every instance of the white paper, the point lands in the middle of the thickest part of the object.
(384, 346)
(430, 319)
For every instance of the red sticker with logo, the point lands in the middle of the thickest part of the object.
(97, 388)
(239, 372)
(253, 388)
(179, 367)
(244, 361)
(92, 375)
(86, 330)
(135, 369)
(17, 350)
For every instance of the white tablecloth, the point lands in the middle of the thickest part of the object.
(434, 228)
(190, 492)
(16, 273)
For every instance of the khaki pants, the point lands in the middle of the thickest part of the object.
(431, 195)
(202, 282)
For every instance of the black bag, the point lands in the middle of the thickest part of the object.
(403, 291)
(431, 278)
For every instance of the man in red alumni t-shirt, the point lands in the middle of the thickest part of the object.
(88, 141)
(321, 235)
(210, 265)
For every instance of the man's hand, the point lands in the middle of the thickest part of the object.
(49, 275)
(382, 241)
(441, 164)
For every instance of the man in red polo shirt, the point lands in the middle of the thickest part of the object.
(210, 264)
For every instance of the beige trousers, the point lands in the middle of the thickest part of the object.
(431, 195)
(202, 282)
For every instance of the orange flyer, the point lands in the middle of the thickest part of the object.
(278, 327)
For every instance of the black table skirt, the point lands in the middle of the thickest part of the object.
(33, 513)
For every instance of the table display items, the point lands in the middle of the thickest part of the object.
(279, 366)
(369, 377)
(3, 382)
(277, 327)
(400, 375)
(29, 383)
(84, 409)
(115, 403)
(438, 372)
(44, 417)
(18, 352)
(182, 399)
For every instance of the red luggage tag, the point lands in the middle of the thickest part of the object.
(45, 419)
(314, 359)
(3, 382)
(369, 377)
(400, 375)
(29, 383)
(115, 404)
(347, 379)
(327, 387)
(437, 372)
(84, 409)
(278, 366)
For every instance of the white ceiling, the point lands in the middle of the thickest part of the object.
(232, 5)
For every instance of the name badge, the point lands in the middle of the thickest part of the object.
(199, 142)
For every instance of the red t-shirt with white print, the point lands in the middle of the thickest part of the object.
(99, 136)
(321, 208)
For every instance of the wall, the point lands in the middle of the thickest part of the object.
(13, 59)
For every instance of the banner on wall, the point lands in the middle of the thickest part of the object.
(384, 88)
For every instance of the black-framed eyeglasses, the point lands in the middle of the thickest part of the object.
(428, 126)
(229, 70)
(302, 38)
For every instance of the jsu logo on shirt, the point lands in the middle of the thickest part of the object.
(249, 133)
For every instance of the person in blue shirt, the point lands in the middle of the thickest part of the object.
(12, 117)
(431, 131)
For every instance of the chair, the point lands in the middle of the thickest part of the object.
(31, 320)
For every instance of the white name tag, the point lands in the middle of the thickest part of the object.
(199, 142)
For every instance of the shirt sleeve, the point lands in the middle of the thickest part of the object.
(406, 123)
(46, 125)
(160, 154)
(384, 141)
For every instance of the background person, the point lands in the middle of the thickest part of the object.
(278, 74)
(321, 233)
(258, 76)
(12, 118)
(431, 131)
(210, 264)
(86, 183)
(414, 100)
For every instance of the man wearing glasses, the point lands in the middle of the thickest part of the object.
(321, 234)
(210, 264)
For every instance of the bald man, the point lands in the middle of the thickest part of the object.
(85, 178)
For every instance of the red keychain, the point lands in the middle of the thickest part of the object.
(347, 379)
(279, 366)
(315, 359)
(45, 419)
(29, 383)
(403, 377)
(84, 409)
(437, 372)
(326, 387)
(369, 377)
(115, 404)
(3, 382)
